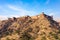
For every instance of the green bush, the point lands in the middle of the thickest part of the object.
(7, 33)
(26, 36)
(54, 35)
(43, 38)
(7, 39)
(17, 31)
(59, 31)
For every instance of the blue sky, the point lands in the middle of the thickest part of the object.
(10, 8)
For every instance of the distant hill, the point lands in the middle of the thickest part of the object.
(39, 27)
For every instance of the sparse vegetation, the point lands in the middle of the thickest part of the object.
(59, 31)
(54, 35)
(41, 27)
(7, 39)
(17, 31)
(43, 38)
(26, 36)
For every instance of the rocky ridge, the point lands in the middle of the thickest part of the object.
(40, 27)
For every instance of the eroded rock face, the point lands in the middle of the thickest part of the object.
(40, 27)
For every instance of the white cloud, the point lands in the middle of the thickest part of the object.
(14, 16)
(3, 17)
(51, 14)
(20, 10)
(14, 9)
(57, 19)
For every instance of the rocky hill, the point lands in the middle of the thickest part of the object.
(39, 27)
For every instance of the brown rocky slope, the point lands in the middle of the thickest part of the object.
(40, 27)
